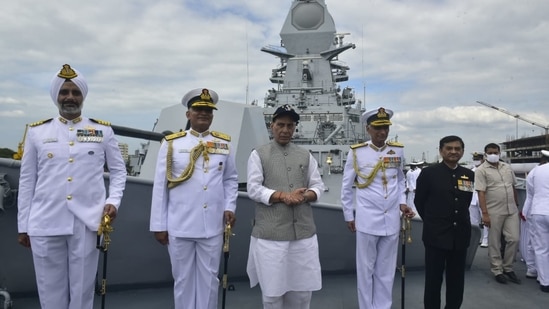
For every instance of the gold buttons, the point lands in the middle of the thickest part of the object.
(71, 143)
(71, 160)
(69, 179)
(69, 197)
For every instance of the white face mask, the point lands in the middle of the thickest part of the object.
(476, 162)
(492, 158)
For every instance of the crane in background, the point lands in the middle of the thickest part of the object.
(516, 116)
(523, 154)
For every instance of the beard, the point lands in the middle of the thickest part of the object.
(70, 108)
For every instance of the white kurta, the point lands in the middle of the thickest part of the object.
(282, 266)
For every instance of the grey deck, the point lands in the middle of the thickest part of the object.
(339, 292)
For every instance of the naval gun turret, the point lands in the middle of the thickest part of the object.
(307, 78)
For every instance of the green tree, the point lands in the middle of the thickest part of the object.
(6, 153)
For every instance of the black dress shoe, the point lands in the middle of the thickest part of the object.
(512, 277)
(501, 279)
(544, 288)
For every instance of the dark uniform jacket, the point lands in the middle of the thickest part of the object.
(443, 196)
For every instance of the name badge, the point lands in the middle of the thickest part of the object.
(50, 140)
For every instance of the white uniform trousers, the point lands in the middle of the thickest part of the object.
(508, 225)
(410, 201)
(195, 266)
(376, 265)
(485, 234)
(540, 242)
(65, 268)
(525, 246)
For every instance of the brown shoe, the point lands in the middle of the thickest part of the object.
(512, 277)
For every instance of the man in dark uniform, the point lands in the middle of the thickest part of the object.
(443, 196)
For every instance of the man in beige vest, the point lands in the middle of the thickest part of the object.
(283, 179)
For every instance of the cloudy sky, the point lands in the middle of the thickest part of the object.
(428, 60)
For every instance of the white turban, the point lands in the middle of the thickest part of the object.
(71, 74)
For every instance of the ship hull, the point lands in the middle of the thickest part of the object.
(137, 260)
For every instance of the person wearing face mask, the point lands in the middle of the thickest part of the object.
(495, 183)
(62, 197)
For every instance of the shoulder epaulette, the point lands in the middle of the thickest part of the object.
(105, 123)
(175, 135)
(221, 136)
(355, 146)
(395, 144)
(35, 124)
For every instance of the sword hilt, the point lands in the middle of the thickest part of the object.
(105, 229)
(227, 235)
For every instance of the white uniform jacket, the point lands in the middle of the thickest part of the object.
(62, 175)
(377, 206)
(537, 191)
(194, 208)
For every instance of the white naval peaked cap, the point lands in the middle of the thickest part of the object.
(200, 97)
(545, 153)
(377, 118)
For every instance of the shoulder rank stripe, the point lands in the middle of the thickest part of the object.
(355, 146)
(395, 144)
(175, 135)
(105, 123)
(221, 136)
(35, 124)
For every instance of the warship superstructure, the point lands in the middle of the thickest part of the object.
(307, 78)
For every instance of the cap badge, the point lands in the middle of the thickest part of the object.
(287, 107)
(381, 113)
(67, 72)
(205, 95)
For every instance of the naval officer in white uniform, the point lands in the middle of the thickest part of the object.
(62, 194)
(411, 179)
(194, 194)
(376, 169)
(536, 212)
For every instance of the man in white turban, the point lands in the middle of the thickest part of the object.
(62, 198)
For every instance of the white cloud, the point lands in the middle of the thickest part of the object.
(428, 60)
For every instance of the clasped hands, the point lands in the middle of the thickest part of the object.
(292, 198)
